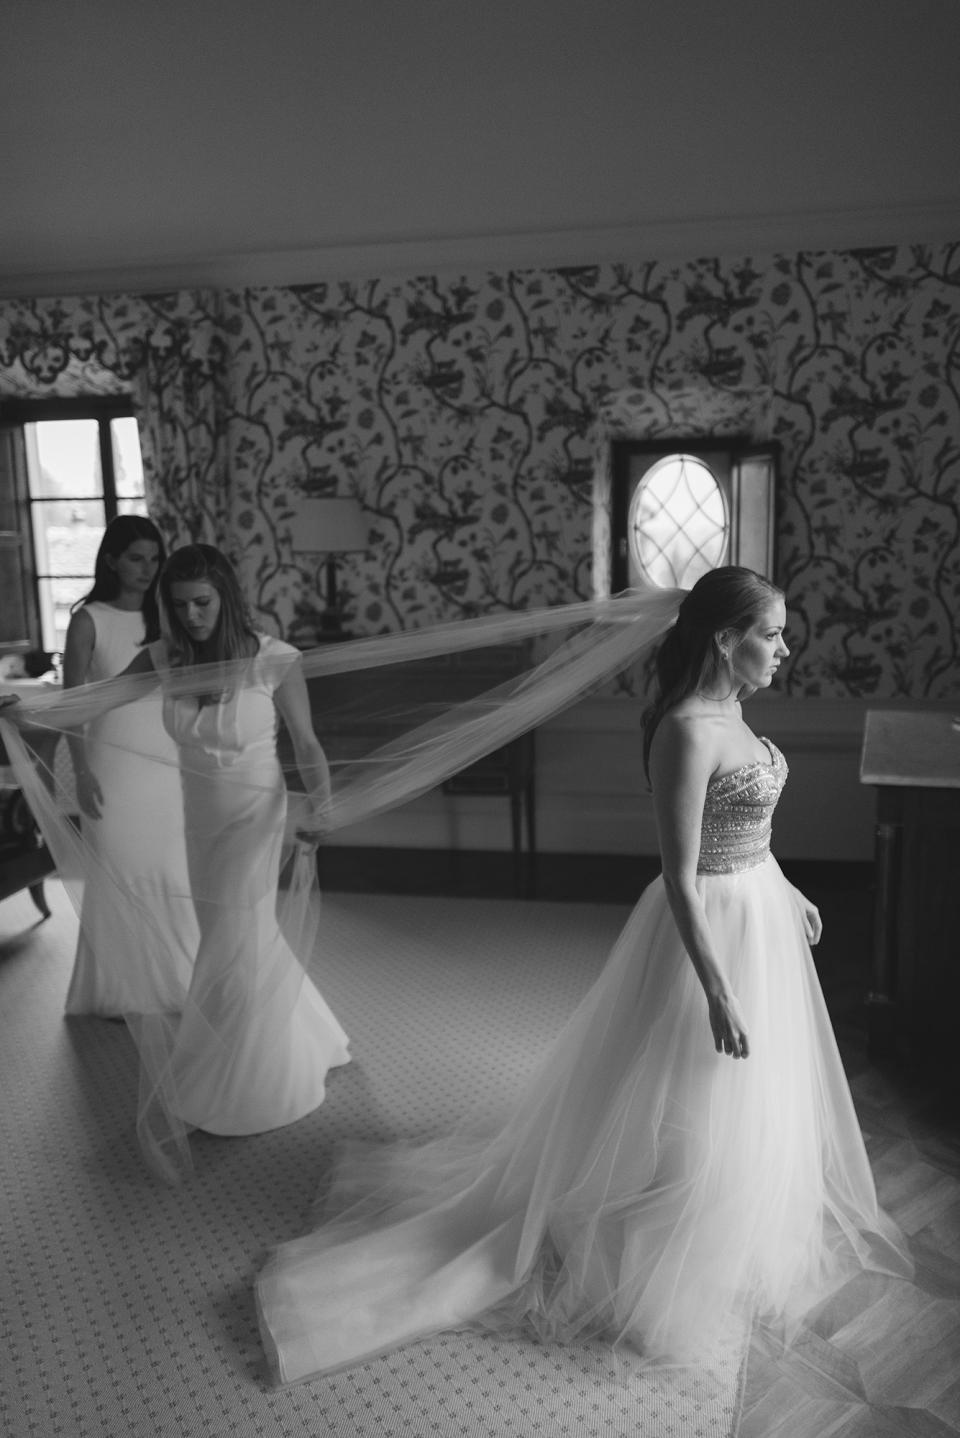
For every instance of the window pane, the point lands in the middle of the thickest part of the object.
(67, 535)
(127, 464)
(63, 457)
(678, 523)
(57, 597)
(132, 506)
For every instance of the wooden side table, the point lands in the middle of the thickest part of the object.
(509, 771)
(912, 759)
(346, 733)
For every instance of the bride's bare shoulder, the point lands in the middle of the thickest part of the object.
(689, 719)
(685, 735)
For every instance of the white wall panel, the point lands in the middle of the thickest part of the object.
(591, 798)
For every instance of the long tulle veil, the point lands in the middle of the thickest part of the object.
(399, 749)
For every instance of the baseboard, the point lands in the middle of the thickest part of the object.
(581, 878)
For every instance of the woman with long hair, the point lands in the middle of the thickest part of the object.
(255, 1040)
(129, 803)
(688, 1152)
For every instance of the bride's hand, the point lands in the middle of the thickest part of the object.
(726, 1023)
(809, 918)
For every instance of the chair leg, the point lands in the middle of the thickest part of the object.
(40, 899)
(531, 885)
(515, 825)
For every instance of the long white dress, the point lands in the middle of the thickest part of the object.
(135, 960)
(256, 1039)
(645, 1189)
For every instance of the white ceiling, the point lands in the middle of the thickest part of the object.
(268, 140)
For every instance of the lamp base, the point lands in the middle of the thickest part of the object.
(331, 630)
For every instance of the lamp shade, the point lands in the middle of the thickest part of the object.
(330, 525)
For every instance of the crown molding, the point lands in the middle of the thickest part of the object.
(709, 237)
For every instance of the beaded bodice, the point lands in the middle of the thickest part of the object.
(737, 815)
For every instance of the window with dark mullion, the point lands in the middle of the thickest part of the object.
(680, 508)
(83, 467)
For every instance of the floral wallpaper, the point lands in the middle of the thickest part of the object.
(472, 415)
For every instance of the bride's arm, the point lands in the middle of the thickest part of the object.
(681, 764)
(293, 702)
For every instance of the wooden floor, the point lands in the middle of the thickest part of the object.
(881, 1358)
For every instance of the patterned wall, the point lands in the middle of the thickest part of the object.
(469, 414)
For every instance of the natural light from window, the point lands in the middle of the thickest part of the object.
(70, 502)
(678, 524)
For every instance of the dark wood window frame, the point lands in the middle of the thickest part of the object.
(20, 624)
(751, 539)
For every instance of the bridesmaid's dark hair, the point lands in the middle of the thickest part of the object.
(235, 636)
(727, 599)
(120, 533)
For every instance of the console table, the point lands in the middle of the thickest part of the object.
(912, 759)
(508, 771)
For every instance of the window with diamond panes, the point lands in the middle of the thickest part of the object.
(683, 509)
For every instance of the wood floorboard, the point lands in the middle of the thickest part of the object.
(785, 1411)
(947, 1405)
(939, 1240)
(822, 1370)
(881, 1357)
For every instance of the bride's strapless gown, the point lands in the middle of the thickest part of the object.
(645, 1188)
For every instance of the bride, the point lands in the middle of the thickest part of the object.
(688, 1151)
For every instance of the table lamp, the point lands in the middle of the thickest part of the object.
(331, 525)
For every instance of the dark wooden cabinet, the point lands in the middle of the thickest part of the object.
(913, 761)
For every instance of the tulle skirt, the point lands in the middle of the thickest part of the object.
(645, 1189)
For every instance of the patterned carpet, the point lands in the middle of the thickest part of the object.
(126, 1306)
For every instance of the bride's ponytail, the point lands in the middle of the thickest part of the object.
(726, 599)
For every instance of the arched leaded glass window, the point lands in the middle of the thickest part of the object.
(680, 509)
(678, 526)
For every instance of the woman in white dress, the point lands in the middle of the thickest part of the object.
(129, 802)
(688, 1153)
(256, 1039)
